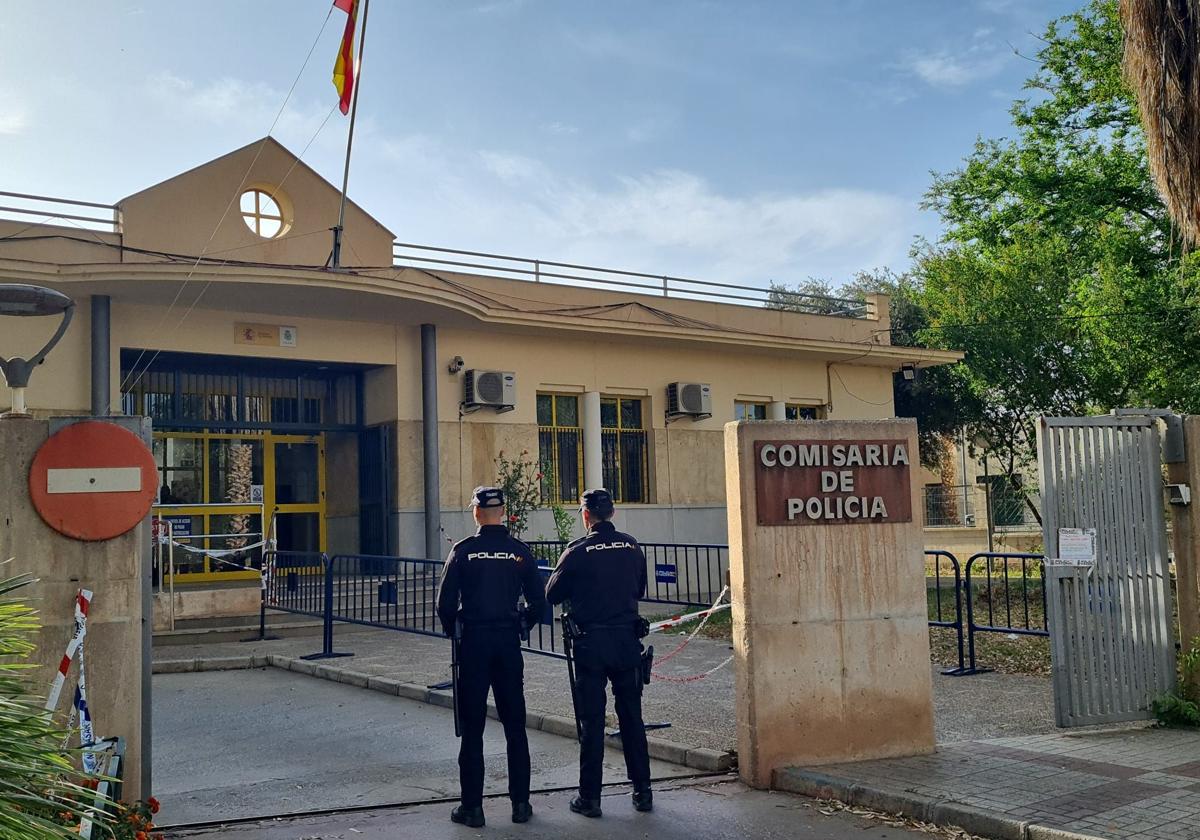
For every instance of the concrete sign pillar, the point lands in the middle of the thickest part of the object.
(115, 570)
(826, 560)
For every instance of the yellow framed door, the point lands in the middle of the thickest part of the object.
(294, 490)
(198, 479)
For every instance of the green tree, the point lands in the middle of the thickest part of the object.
(935, 397)
(1057, 272)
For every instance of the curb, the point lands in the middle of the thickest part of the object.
(697, 758)
(944, 812)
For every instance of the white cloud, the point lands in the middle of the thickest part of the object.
(237, 102)
(661, 220)
(14, 116)
(944, 69)
(495, 7)
(560, 128)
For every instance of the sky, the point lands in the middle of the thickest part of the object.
(735, 141)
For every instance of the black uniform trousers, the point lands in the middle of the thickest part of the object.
(604, 655)
(490, 657)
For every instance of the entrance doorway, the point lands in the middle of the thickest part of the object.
(216, 488)
(241, 450)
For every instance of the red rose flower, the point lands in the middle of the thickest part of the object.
(154, 805)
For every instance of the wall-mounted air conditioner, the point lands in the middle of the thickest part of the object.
(495, 389)
(689, 399)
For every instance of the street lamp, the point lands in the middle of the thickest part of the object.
(23, 300)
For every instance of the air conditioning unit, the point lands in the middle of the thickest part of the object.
(490, 389)
(689, 399)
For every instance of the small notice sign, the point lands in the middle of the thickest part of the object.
(264, 335)
(666, 573)
(1077, 546)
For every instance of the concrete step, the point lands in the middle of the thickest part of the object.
(296, 627)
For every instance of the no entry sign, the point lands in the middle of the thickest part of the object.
(93, 481)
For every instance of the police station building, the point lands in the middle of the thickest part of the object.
(354, 408)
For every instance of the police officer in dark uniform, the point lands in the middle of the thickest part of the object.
(487, 573)
(601, 577)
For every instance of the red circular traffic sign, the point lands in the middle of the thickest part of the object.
(93, 481)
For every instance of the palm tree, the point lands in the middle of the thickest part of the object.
(1162, 66)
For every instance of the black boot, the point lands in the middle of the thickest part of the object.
(463, 815)
(643, 799)
(586, 807)
(522, 811)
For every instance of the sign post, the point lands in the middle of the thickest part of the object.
(828, 582)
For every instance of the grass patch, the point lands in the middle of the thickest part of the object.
(1004, 605)
(1020, 655)
(719, 626)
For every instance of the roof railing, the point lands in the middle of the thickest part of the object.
(45, 209)
(407, 254)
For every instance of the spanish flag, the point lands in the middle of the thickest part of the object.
(343, 68)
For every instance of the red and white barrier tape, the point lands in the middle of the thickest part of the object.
(83, 602)
(79, 706)
(675, 621)
(691, 677)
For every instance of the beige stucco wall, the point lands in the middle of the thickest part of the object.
(192, 213)
(686, 455)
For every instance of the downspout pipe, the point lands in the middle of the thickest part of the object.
(429, 427)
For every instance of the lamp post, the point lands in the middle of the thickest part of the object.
(22, 300)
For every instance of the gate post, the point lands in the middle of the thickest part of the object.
(1185, 533)
(827, 572)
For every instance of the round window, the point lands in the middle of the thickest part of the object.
(261, 213)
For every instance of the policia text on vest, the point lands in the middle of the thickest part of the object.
(600, 579)
(482, 582)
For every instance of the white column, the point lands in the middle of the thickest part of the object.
(777, 411)
(593, 463)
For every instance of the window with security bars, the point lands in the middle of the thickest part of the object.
(219, 396)
(746, 410)
(793, 411)
(560, 447)
(625, 450)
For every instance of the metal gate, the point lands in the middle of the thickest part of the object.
(1113, 649)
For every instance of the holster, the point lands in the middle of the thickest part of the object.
(647, 664)
(570, 628)
(525, 621)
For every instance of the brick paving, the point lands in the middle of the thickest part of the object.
(1133, 783)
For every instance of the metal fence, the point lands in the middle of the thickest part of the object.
(546, 271)
(949, 506)
(400, 593)
(994, 592)
(683, 574)
(44, 209)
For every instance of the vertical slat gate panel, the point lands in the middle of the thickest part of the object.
(1111, 623)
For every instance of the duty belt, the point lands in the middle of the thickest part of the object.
(629, 625)
(498, 624)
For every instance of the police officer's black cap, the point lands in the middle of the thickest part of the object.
(487, 497)
(597, 501)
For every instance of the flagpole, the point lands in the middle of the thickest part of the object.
(336, 259)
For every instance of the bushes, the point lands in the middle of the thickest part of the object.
(1182, 707)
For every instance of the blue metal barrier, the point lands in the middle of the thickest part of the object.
(998, 568)
(940, 560)
(683, 574)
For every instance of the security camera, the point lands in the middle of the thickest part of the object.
(456, 364)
